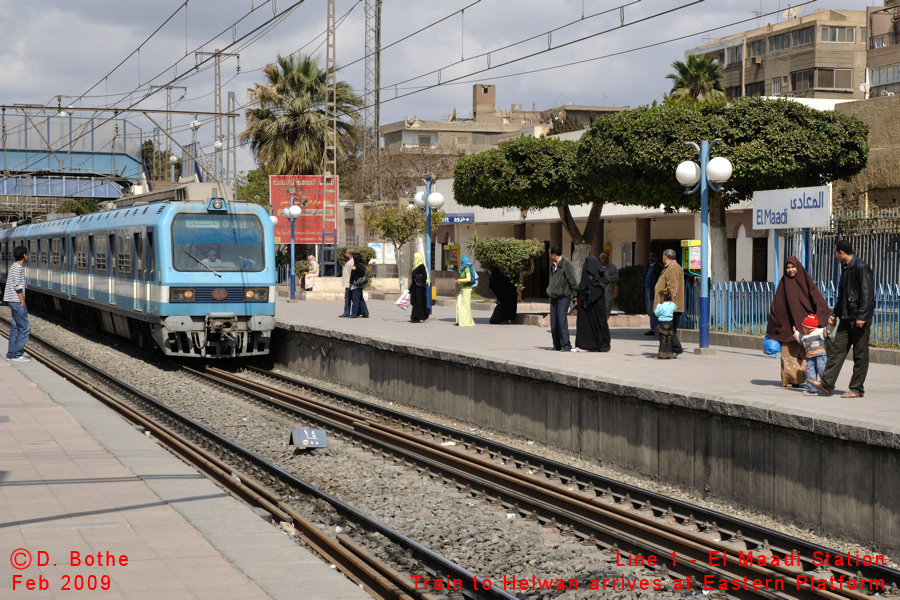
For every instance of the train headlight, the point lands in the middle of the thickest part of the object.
(181, 295)
(256, 294)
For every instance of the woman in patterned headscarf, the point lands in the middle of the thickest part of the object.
(468, 279)
(418, 289)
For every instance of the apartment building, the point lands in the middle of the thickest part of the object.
(488, 127)
(883, 55)
(821, 55)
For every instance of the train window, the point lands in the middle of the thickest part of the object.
(218, 242)
(124, 254)
(81, 253)
(54, 253)
(145, 211)
(43, 244)
(100, 254)
(161, 208)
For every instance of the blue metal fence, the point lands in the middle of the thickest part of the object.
(741, 307)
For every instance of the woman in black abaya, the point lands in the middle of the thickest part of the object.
(507, 298)
(592, 331)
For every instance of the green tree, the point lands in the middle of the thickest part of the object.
(286, 123)
(531, 173)
(772, 144)
(400, 225)
(254, 187)
(700, 78)
(565, 125)
(514, 258)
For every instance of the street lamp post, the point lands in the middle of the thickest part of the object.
(218, 147)
(292, 213)
(195, 125)
(173, 159)
(704, 177)
(429, 201)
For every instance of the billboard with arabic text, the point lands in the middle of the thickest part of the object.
(307, 192)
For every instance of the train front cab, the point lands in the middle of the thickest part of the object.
(218, 280)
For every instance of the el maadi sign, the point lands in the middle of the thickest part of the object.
(796, 208)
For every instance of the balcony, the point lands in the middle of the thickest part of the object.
(883, 41)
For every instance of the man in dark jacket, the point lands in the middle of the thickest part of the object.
(563, 287)
(651, 275)
(855, 307)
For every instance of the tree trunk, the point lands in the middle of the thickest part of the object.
(582, 240)
(718, 240)
(398, 254)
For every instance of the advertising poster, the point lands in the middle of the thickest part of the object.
(307, 192)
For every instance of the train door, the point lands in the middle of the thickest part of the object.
(139, 273)
(111, 265)
(152, 274)
(75, 252)
(92, 266)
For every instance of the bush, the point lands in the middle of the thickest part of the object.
(630, 298)
(514, 258)
(301, 268)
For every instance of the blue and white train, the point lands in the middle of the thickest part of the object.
(193, 278)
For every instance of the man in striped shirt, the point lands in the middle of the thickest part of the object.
(15, 296)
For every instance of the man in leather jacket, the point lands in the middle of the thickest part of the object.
(855, 307)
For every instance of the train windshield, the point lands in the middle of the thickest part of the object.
(221, 243)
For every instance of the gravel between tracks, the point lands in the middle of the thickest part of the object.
(476, 535)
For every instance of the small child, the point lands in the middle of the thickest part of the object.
(665, 311)
(813, 340)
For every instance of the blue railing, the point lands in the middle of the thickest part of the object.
(742, 307)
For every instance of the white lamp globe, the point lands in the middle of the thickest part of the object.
(719, 169)
(410, 206)
(688, 173)
(286, 212)
(173, 159)
(295, 211)
(419, 199)
(436, 201)
(274, 219)
(218, 145)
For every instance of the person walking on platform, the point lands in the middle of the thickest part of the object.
(468, 279)
(665, 313)
(507, 298)
(563, 287)
(814, 340)
(672, 278)
(855, 307)
(651, 276)
(419, 281)
(610, 277)
(592, 329)
(19, 328)
(797, 297)
(358, 281)
(345, 281)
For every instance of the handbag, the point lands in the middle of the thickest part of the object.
(403, 300)
(419, 280)
(361, 281)
(770, 346)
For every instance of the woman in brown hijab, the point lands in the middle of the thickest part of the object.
(797, 298)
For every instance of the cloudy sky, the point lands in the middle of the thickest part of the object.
(56, 48)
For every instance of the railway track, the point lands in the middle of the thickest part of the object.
(687, 541)
(261, 483)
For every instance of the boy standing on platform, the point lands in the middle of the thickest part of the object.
(563, 287)
(813, 340)
(19, 329)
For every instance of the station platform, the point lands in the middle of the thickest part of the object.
(76, 480)
(721, 424)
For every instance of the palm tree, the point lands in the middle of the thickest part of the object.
(700, 78)
(286, 123)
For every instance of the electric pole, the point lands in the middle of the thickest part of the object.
(218, 54)
(371, 115)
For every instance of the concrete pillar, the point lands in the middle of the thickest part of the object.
(597, 242)
(519, 231)
(642, 242)
(359, 226)
(556, 237)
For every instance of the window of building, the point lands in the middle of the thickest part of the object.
(528, 121)
(883, 75)
(578, 120)
(462, 141)
(776, 85)
(734, 55)
(834, 79)
(733, 92)
(862, 35)
(757, 48)
(804, 37)
(802, 80)
(756, 89)
(779, 42)
(877, 42)
(838, 34)
(424, 140)
(478, 138)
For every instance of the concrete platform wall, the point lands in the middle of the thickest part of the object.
(842, 478)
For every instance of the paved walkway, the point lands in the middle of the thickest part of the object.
(76, 478)
(736, 376)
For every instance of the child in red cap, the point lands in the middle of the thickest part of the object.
(813, 340)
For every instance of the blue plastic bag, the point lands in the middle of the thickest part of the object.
(770, 346)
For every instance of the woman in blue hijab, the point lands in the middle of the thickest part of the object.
(468, 279)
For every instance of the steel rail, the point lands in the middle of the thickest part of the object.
(378, 579)
(763, 537)
(642, 531)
